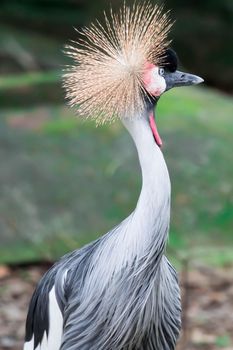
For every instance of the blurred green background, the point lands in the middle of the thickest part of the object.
(64, 182)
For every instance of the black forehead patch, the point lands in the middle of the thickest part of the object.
(170, 60)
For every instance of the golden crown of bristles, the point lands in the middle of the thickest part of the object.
(105, 81)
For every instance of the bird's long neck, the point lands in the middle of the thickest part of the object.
(149, 222)
(136, 246)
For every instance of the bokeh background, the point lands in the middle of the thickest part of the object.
(64, 182)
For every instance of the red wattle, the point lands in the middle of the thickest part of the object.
(155, 130)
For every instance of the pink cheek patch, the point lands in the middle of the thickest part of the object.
(154, 83)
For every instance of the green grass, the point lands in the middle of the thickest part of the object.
(65, 182)
(29, 79)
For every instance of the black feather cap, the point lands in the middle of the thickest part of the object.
(170, 60)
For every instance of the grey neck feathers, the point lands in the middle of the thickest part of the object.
(150, 220)
(140, 239)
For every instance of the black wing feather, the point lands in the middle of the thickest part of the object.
(37, 322)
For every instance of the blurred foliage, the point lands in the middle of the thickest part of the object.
(28, 79)
(223, 341)
(203, 36)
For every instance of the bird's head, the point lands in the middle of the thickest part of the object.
(158, 79)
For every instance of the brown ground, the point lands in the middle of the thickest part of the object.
(207, 307)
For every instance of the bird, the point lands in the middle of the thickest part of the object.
(119, 292)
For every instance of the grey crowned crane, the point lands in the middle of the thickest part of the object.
(119, 292)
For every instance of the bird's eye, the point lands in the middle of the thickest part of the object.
(161, 71)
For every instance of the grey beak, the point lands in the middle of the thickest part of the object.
(178, 78)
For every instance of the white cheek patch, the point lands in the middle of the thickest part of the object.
(154, 83)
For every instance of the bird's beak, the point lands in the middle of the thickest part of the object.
(178, 78)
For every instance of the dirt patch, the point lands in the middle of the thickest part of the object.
(207, 297)
(207, 307)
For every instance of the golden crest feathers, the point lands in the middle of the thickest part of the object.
(105, 81)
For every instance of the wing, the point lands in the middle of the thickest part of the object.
(45, 319)
(44, 323)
